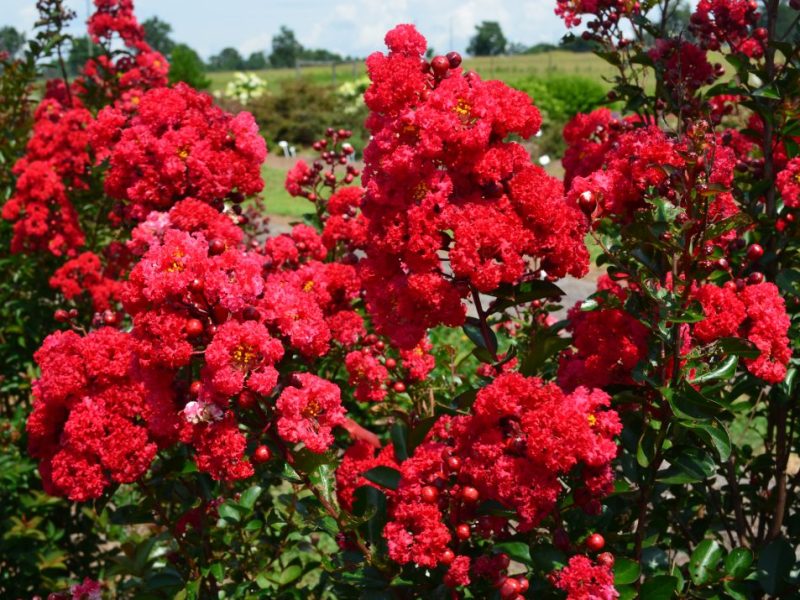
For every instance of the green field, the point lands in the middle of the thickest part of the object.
(505, 68)
(276, 198)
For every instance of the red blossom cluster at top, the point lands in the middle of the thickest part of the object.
(442, 184)
(732, 22)
(123, 74)
(55, 164)
(57, 160)
(172, 144)
(606, 12)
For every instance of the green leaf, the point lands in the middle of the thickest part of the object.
(218, 571)
(475, 332)
(689, 404)
(738, 562)
(768, 91)
(737, 221)
(704, 560)
(384, 476)
(714, 435)
(737, 590)
(625, 571)
(249, 497)
(399, 436)
(646, 448)
(739, 347)
(518, 551)
(527, 291)
(774, 564)
(660, 587)
(723, 370)
(229, 512)
(688, 465)
(289, 574)
(417, 435)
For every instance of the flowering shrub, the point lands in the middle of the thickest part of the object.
(380, 401)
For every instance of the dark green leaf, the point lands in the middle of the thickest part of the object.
(229, 513)
(660, 587)
(518, 551)
(289, 574)
(417, 435)
(688, 465)
(476, 331)
(739, 347)
(384, 476)
(714, 435)
(774, 564)
(527, 291)
(399, 435)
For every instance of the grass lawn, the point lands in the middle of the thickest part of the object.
(505, 68)
(277, 199)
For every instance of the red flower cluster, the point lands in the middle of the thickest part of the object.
(685, 69)
(98, 416)
(55, 164)
(607, 343)
(755, 312)
(607, 12)
(175, 144)
(789, 183)
(520, 430)
(441, 182)
(309, 412)
(718, 22)
(57, 160)
(582, 579)
(85, 273)
(125, 75)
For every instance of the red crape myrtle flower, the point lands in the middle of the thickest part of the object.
(523, 439)
(441, 182)
(57, 159)
(607, 343)
(789, 183)
(612, 10)
(309, 412)
(175, 144)
(582, 579)
(719, 22)
(96, 419)
(358, 459)
(757, 313)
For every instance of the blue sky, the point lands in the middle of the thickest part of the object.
(354, 27)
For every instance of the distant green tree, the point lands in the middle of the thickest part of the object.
(318, 54)
(541, 47)
(80, 51)
(187, 66)
(256, 61)
(11, 40)
(285, 48)
(228, 59)
(488, 40)
(156, 33)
